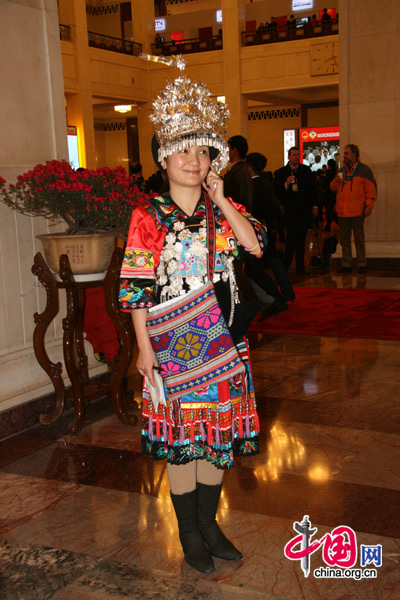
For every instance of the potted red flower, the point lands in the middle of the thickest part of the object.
(95, 204)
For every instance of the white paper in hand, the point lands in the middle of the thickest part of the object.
(157, 391)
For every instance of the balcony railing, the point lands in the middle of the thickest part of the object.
(106, 42)
(271, 36)
(178, 1)
(187, 46)
(65, 33)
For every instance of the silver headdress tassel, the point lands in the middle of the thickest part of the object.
(185, 115)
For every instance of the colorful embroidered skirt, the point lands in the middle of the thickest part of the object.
(215, 423)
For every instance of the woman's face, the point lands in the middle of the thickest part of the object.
(189, 167)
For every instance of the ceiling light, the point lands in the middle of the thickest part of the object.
(123, 108)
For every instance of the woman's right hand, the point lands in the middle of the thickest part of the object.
(146, 359)
(145, 362)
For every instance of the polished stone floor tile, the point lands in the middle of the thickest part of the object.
(35, 572)
(332, 410)
(94, 521)
(321, 453)
(65, 461)
(375, 280)
(363, 507)
(18, 446)
(23, 499)
(96, 410)
(108, 432)
(142, 476)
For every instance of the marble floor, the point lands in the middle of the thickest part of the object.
(90, 518)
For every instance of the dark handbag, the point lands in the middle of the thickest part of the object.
(329, 246)
(244, 311)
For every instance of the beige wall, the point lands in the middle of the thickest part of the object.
(282, 67)
(108, 24)
(326, 116)
(266, 136)
(111, 144)
(65, 11)
(117, 75)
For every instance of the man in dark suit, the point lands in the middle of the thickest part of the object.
(238, 186)
(266, 209)
(237, 181)
(295, 188)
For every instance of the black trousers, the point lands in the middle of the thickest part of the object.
(296, 233)
(329, 212)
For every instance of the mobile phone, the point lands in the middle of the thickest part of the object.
(205, 178)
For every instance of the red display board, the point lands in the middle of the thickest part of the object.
(178, 36)
(315, 138)
(281, 21)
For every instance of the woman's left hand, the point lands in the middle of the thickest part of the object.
(241, 227)
(214, 186)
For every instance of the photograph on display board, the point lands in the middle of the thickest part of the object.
(318, 145)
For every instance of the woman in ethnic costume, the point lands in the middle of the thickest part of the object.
(166, 256)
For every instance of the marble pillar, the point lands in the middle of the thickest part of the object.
(233, 23)
(143, 16)
(33, 131)
(369, 110)
(80, 104)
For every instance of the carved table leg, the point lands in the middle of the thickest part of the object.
(79, 340)
(69, 341)
(122, 323)
(42, 321)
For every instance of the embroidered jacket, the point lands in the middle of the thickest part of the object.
(166, 251)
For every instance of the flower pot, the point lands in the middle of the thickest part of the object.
(89, 254)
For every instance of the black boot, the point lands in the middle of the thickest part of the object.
(194, 548)
(218, 544)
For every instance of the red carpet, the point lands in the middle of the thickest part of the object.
(355, 313)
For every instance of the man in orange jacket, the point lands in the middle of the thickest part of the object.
(356, 189)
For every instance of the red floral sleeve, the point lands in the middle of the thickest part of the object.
(142, 255)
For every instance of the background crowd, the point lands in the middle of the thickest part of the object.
(298, 197)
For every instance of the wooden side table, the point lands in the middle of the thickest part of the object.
(75, 358)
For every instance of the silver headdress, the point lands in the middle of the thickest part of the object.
(185, 115)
